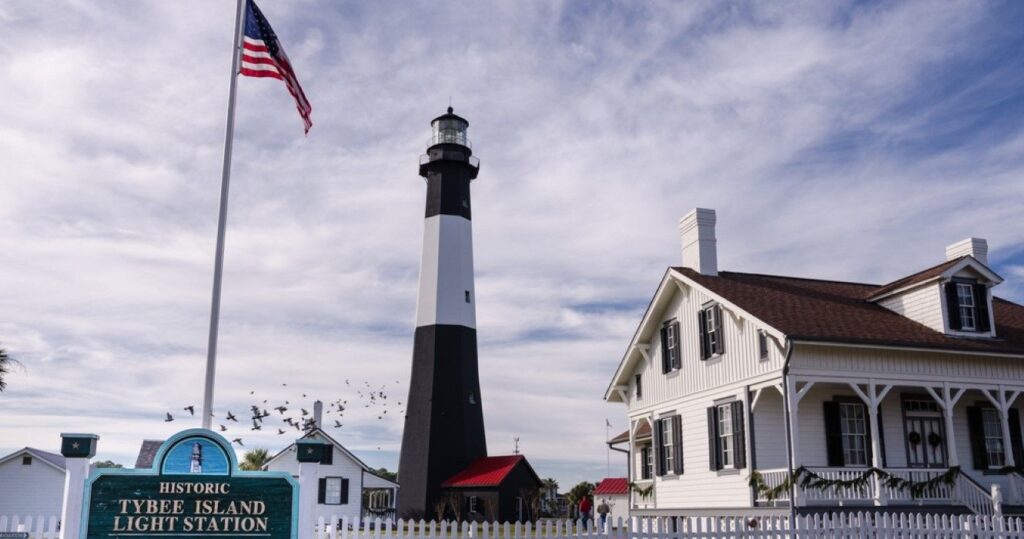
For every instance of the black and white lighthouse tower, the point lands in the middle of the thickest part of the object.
(444, 424)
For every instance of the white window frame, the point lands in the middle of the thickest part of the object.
(968, 306)
(473, 502)
(666, 444)
(992, 429)
(853, 424)
(726, 437)
(328, 490)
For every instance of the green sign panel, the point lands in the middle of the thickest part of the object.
(193, 490)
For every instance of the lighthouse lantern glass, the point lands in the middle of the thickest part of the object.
(450, 131)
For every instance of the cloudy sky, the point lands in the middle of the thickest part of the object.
(836, 140)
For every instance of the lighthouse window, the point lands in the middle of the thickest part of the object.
(467, 296)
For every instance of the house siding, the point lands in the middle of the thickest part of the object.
(739, 362)
(35, 489)
(923, 304)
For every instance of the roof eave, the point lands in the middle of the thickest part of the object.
(818, 341)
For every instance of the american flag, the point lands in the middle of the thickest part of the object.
(263, 56)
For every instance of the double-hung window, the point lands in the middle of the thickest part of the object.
(726, 443)
(712, 342)
(853, 423)
(333, 490)
(727, 436)
(965, 303)
(646, 462)
(671, 358)
(995, 451)
(666, 444)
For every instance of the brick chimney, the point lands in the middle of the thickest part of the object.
(976, 247)
(697, 230)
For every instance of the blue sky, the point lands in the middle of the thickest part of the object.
(836, 140)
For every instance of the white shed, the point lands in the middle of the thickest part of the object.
(345, 482)
(31, 483)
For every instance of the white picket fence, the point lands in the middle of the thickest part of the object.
(38, 527)
(821, 526)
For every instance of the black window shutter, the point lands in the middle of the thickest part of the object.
(981, 308)
(976, 430)
(702, 319)
(328, 454)
(344, 490)
(677, 444)
(666, 362)
(833, 434)
(659, 449)
(952, 306)
(1016, 440)
(677, 362)
(739, 434)
(720, 339)
(713, 439)
(321, 493)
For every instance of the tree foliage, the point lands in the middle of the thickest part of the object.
(254, 459)
(584, 488)
(383, 472)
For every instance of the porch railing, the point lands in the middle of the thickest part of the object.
(965, 491)
(773, 478)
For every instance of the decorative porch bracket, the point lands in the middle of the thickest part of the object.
(948, 402)
(1003, 404)
(873, 397)
(645, 351)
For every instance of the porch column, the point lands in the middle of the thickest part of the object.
(632, 464)
(872, 399)
(948, 402)
(794, 397)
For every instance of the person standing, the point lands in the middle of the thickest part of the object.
(602, 511)
(585, 508)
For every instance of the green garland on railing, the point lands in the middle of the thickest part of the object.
(807, 479)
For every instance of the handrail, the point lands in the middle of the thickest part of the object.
(974, 496)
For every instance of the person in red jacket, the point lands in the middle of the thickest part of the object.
(585, 511)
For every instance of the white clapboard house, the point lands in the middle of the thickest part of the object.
(347, 487)
(31, 483)
(729, 374)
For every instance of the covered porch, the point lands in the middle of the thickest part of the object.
(863, 441)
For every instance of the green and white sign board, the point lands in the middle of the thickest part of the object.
(194, 489)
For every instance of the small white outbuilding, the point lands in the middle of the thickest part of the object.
(31, 483)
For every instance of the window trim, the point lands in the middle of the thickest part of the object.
(26, 460)
(638, 389)
(647, 464)
(341, 490)
(762, 345)
(866, 435)
(724, 451)
(712, 339)
(666, 451)
(965, 290)
(986, 410)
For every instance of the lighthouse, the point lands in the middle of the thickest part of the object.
(444, 424)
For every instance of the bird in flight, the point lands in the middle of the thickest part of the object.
(169, 418)
(337, 424)
(231, 417)
(281, 410)
(191, 409)
(238, 441)
(280, 431)
(223, 428)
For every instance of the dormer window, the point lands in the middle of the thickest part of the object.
(965, 302)
(967, 306)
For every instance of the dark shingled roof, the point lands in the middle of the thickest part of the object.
(147, 453)
(833, 311)
(918, 277)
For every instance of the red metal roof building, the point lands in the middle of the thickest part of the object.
(494, 485)
(612, 486)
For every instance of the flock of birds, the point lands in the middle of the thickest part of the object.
(294, 416)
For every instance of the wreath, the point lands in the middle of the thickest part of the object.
(914, 438)
(934, 439)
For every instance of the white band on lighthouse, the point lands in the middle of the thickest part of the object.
(446, 293)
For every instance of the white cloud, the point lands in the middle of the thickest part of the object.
(814, 129)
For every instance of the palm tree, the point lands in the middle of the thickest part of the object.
(5, 367)
(254, 459)
(549, 488)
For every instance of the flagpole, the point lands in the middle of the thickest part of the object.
(218, 265)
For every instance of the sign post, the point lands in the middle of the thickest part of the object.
(310, 454)
(76, 449)
(194, 489)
